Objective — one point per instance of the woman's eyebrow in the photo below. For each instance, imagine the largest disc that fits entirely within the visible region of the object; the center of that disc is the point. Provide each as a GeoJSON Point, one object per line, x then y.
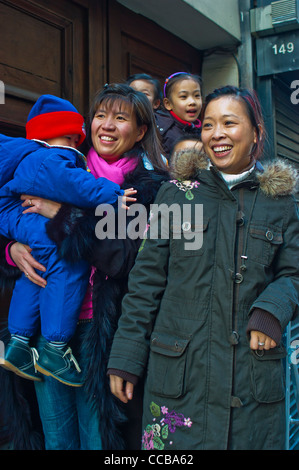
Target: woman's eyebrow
{"type": "Point", "coordinates": [125, 113]}
{"type": "Point", "coordinates": [223, 116]}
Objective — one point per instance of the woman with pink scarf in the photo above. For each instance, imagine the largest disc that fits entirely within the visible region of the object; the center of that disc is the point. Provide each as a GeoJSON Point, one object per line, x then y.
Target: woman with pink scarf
{"type": "Point", "coordinates": [124, 147]}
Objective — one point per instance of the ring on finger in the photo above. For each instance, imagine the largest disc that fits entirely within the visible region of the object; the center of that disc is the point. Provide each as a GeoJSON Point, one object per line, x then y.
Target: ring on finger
{"type": "Point", "coordinates": [261, 344]}
{"type": "Point", "coordinates": [27, 274]}
{"type": "Point", "coordinates": [30, 202]}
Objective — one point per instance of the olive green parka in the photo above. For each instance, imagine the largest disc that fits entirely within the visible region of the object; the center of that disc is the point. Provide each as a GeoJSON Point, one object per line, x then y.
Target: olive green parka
{"type": "Point", "coordinates": [185, 316]}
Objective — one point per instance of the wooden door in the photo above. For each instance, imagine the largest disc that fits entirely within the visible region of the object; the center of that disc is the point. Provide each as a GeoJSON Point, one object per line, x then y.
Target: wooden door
{"type": "Point", "coordinates": [137, 45]}
{"type": "Point", "coordinates": [46, 47]}
{"type": "Point", "coordinates": [72, 47]}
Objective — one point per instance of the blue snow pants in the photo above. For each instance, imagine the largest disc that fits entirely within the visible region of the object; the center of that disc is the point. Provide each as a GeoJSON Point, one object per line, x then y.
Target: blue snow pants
{"type": "Point", "coordinates": [56, 308]}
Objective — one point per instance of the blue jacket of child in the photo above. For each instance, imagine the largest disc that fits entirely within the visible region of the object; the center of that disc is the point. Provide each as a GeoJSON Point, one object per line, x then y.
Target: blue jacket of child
{"type": "Point", "coordinates": [55, 173]}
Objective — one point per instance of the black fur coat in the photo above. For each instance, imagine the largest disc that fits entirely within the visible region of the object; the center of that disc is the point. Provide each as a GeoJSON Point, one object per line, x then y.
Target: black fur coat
{"type": "Point", "coordinates": [74, 232]}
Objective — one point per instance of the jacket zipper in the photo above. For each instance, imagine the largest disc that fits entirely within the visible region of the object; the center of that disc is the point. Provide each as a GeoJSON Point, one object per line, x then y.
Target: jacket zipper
{"type": "Point", "coordinates": [238, 277]}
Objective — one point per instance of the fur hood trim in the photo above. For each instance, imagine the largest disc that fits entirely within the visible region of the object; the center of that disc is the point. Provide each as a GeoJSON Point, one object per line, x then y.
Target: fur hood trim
{"type": "Point", "coordinates": [279, 178]}
{"type": "Point", "coordinates": [186, 164]}
{"type": "Point", "coordinates": [276, 178]}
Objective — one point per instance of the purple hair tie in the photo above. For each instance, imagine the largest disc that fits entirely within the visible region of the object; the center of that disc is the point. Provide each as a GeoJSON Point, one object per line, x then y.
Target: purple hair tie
{"type": "Point", "coordinates": [167, 80]}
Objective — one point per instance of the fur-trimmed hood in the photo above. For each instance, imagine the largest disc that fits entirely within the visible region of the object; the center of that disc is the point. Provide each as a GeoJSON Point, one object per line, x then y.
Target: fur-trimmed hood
{"type": "Point", "coordinates": [276, 178]}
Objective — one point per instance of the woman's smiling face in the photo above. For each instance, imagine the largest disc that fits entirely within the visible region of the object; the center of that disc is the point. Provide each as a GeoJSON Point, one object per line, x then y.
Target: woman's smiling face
{"type": "Point", "coordinates": [228, 135]}
{"type": "Point", "coordinates": [114, 130]}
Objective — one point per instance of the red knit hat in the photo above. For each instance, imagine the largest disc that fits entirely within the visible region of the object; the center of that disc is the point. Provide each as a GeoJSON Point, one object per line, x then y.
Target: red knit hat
{"type": "Point", "coordinates": [52, 117]}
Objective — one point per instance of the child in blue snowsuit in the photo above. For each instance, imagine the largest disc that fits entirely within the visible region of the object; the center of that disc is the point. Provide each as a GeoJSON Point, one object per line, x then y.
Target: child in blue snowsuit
{"type": "Point", "coordinates": [56, 172]}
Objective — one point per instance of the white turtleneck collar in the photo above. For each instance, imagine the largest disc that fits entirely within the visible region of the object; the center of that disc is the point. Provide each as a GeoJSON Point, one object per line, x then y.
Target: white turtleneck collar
{"type": "Point", "coordinates": [231, 180]}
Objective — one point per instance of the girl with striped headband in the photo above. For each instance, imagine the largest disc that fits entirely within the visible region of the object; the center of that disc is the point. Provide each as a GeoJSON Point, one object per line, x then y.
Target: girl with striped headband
{"type": "Point", "coordinates": [182, 106]}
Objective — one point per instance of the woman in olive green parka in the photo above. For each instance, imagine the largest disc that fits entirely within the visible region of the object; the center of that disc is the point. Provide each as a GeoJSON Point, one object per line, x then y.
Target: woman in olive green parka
{"type": "Point", "coordinates": [208, 301]}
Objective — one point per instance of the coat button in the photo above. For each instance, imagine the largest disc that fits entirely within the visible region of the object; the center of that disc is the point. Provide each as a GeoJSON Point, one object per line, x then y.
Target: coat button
{"type": "Point", "coordinates": [234, 338]}
{"type": "Point", "coordinates": [240, 218]}
{"type": "Point", "coordinates": [238, 278]}
{"type": "Point", "coordinates": [186, 226]}
{"type": "Point", "coordinates": [269, 235]}
{"type": "Point", "coordinates": [235, 402]}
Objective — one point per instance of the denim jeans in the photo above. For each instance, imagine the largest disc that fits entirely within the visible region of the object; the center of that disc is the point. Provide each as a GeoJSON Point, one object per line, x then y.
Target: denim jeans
{"type": "Point", "coordinates": [68, 421]}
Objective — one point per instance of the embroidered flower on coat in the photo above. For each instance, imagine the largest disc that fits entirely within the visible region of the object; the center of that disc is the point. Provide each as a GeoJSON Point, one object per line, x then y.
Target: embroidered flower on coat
{"type": "Point", "coordinates": [186, 186]}
{"type": "Point", "coordinates": [187, 422]}
{"type": "Point", "coordinates": [155, 435]}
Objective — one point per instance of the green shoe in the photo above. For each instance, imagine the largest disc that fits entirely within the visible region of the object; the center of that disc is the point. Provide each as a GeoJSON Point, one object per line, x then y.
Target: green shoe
{"type": "Point", "coordinates": [20, 358]}
{"type": "Point", "coordinates": [60, 364]}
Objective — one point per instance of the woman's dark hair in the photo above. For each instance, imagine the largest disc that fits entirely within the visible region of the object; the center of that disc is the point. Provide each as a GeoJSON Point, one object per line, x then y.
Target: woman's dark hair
{"type": "Point", "coordinates": [154, 81]}
{"type": "Point", "coordinates": [123, 93]}
{"type": "Point", "coordinates": [176, 77]}
{"type": "Point", "coordinates": [254, 111]}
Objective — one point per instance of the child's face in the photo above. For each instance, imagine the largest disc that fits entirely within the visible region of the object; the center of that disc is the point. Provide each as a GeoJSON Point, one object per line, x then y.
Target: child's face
{"type": "Point", "coordinates": [71, 140]}
{"type": "Point", "coordinates": [185, 100]}
{"type": "Point", "coordinates": [148, 89]}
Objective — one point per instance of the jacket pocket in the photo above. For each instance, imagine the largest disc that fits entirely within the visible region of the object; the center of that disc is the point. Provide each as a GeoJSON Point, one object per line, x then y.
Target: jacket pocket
{"type": "Point", "coordinates": [267, 375]}
{"type": "Point", "coordinates": [264, 242]}
{"type": "Point", "coordinates": [167, 364]}
{"type": "Point", "coordinates": [188, 238]}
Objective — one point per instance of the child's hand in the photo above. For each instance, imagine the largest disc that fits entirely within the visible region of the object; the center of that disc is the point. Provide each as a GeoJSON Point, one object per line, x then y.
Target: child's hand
{"type": "Point", "coordinates": [126, 197]}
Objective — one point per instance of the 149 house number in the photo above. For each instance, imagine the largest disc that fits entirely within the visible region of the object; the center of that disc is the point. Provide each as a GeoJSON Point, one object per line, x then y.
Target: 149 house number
{"type": "Point", "coordinates": [283, 48]}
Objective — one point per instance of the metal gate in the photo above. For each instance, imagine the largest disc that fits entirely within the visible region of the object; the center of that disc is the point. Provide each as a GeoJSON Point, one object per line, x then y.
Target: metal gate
{"type": "Point", "coordinates": [286, 123]}
{"type": "Point", "coordinates": [287, 147]}
{"type": "Point", "coordinates": [292, 387]}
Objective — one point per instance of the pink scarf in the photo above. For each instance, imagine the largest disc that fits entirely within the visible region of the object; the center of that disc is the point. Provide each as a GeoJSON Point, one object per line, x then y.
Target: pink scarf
{"type": "Point", "coordinates": [115, 171]}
